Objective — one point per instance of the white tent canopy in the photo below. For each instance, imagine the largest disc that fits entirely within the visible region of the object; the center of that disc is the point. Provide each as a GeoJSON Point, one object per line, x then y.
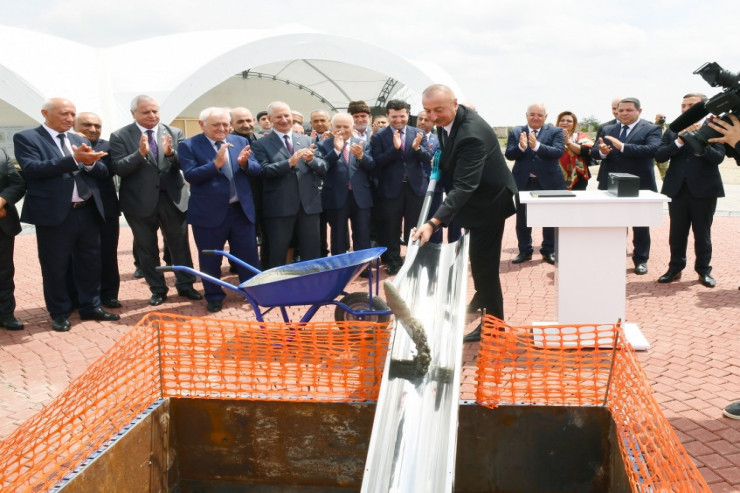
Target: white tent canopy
{"type": "Point", "coordinates": [181, 68]}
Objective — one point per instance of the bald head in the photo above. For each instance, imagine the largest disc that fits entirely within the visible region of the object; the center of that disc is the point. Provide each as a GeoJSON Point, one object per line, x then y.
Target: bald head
{"type": "Point", "coordinates": [89, 125]}
{"type": "Point", "coordinates": [242, 121]}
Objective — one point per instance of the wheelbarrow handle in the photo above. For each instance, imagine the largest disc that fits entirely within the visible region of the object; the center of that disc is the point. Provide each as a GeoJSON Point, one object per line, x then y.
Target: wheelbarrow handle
{"type": "Point", "coordinates": [164, 268]}
{"type": "Point", "coordinates": [233, 259]}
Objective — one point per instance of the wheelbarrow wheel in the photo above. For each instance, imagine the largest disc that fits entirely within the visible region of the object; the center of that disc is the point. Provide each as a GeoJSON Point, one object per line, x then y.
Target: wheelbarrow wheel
{"type": "Point", "coordinates": [357, 302]}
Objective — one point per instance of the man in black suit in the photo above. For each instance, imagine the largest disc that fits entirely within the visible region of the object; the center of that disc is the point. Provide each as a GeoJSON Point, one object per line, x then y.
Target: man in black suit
{"type": "Point", "coordinates": [90, 126]}
{"type": "Point", "coordinates": [535, 149]}
{"type": "Point", "coordinates": [346, 193]}
{"type": "Point", "coordinates": [12, 189]}
{"type": "Point", "coordinates": [402, 162]}
{"type": "Point", "coordinates": [693, 183]}
{"type": "Point", "coordinates": [292, 169]}
{"type": "Point", "coordinates": [64, 203]}
{"type": "Point", "coordinates": [482, 193]}
{"type": "Point", "coordinates": [629, 147]}
{"type": "Point", "coordinates": [153, 195]}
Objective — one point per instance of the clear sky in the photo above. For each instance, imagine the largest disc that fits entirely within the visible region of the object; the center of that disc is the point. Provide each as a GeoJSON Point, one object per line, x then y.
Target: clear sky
{"type": "Point", "coordinates": [568, 54]}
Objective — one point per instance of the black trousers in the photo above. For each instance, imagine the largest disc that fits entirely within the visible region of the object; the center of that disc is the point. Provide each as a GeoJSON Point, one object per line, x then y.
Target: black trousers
{"type": "Point", "coordinates": [339, 219]}
{"type": "Point", "coordinates": [75, 242]}
{"type": "Point", "coordinates": [697, 214]}
{"type": "Point", "coordinates": [485, 256]}
{"type": "Point", "coordinates": [280, 231]}
{"type": "Point", "coordinates": [171, 221]}
{"type": "Point", "coordinates": [391, 212]}
{"type": "Point", "coordinates": [7, 271]}
{"type": "Point", "coordinates": [524, 232]}
{"type": "Point", "coordinates": [110, 278]}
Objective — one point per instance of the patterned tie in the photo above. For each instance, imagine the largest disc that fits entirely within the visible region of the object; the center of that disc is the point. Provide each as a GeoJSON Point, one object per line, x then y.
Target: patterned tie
{"type": "Point", "coordinates": [288, 144]}
{"type": "Point", "coordinates": [228, 172]}
{"type": "Point", "coordinates": [403, 141]}
{"type": "Point", "coordinates": [623, 133]}
{"type": "Point", "coordinates": [345, 155]}
{"type": "Point", "coordinates": [83, 190]}
{"type": "Point", "coordinates": [153, 147]}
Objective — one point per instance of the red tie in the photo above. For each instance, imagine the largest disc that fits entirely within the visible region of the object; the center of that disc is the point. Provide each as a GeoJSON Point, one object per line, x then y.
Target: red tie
{"type": "Point", "coordinates": [345, 152]}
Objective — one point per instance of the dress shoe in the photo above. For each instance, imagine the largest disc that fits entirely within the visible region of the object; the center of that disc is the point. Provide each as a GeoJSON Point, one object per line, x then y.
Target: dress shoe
{"type": "Point", "coordinates": [522, 257]}
{"type": "Point", "coordinates": [61, 324]}
{"type": "Point", "coordinates": [392, 270]}
{"type": "Point", "coordinates": [190, 294]}
{"type": "Point", "coordinates": [670, 276]}
{"type": "Point", "coordinates": [101, 315]}
{"type": "Point", "coordinates": [549, 258]}
{"type": "Point", "coordinates": [641, 269]}
{"type": "Point", "coordinates": [474, 304]}
{"type": "Point", "coordinates": [138, 273]}
{"type": "Point", "coordinates": [112, 303]}
{"type": "Point", "coordinates": [473, 336]}
{"type": "Point", "coordinates": [157, 299]}
{"type": "Point", "coordinates": [11, 323]}
{"type": "Point", "coordinates": [707, 280]}
{"type": "Point", "coordinates": [214, 306]}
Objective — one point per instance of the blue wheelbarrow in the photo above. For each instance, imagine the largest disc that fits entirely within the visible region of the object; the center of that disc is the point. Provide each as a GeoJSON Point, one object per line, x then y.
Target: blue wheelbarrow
{"type": "Point", "coordinates": [315, 283]}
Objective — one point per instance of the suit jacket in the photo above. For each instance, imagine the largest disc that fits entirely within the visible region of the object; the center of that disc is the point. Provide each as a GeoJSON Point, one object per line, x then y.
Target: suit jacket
{"type": "Point", "coordinates": [142, 177]}
{"type": "Point", "coordinates": [391, 162]}
{"type": "Point", "coordinates": [700, 173]}
{"type": "Point", "coordinates": [286, 189]}
{"type": "Point", "coordinates": [544, 163]}
{"type": "Point", "coordinates": [12, 189]}
{"type": "Point", "coordinates": [482, 185]}
{"type": "Point", "coordinates": [637, 156]}
{"type": "Point", "coordinates": [49, 177]}
{"type": "Point", "coordinates": [106, 185]}
{"type": "Point", "coordinates": [209, 186]}
{"type": "Point", "coordinates": [340, 173]}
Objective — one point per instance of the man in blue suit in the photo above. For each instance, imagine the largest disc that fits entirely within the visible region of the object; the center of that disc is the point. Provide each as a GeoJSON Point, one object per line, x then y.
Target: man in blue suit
{"type": "Point", "coordinates": [402, 160]}
{"type": "Point", "coordinates": [629, 146]}
{"type": "Point", "coordinates": [64, 203]}
{"type": "Point", "coordinates": [221, 208]}
{"type": "Point", "coordinates": [346, 194]}
{"type": "Point", "coordinates": [535, 149]}
{"type": "Point", "coordinates": [291, 197]}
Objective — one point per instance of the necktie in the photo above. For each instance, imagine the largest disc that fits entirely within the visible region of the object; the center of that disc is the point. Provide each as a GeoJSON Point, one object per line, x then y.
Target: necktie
{"type": "Point", "coordinates": [535, 132]}
{"type": "Point", "coordinates": [623, 133]}
{"type": "Point", "coordinates": [228, 172]}
{"type": "Point", "coordinates": [443, 138]}
{"type": "Point", "coordinates": [403, 141]}
{"type": "Point", "coordinates": [288, 144]}
{"type": "Point", "coordinates": [83, 191]}
{"type": "Point", "coordinates": [153, 147]}
{"type": "Point", "coordinates": [345, 153]}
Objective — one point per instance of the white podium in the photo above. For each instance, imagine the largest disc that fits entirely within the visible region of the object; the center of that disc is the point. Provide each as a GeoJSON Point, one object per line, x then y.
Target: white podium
{"type": "Point", "coordinates": [590, 246]}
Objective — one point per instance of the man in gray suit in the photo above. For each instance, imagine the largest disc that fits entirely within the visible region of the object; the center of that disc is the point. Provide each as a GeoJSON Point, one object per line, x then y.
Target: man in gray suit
{"type": "Point", "coordinates": [292, 169]}
{"type": "Point", "coordinates": [12, 189]}
{"type": "Point", "coordinates": [153, 195]}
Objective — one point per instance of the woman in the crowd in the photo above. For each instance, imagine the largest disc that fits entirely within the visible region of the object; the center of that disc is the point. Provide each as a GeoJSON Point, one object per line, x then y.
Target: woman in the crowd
{"type": "Point", "coordinates": [577, 155]}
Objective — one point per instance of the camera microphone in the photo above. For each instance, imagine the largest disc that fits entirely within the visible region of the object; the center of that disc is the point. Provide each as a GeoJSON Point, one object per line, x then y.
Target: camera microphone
{"type": "Point", "coordinates": [689, 117]}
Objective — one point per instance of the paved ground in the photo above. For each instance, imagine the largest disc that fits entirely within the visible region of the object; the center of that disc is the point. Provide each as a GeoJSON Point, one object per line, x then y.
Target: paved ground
{"type": "Point", "coordinates": [692, 365]}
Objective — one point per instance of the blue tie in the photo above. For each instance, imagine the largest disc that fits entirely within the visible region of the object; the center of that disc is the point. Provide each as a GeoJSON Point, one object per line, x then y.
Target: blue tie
{"type": "Point", "coordinates": [228, 173]}
{"type": "Point", "coordinates": [623, 133]}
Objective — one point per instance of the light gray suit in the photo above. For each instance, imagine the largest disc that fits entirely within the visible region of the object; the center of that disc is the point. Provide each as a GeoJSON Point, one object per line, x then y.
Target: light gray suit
{"type": "Point", "coordinates": [153, 195]}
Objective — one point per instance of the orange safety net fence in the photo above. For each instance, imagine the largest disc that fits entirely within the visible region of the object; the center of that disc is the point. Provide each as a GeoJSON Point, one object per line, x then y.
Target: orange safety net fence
{"type": "Point", "coordinates": [174, 356]}
{"type": "Point", "coordinates": [587, 365]}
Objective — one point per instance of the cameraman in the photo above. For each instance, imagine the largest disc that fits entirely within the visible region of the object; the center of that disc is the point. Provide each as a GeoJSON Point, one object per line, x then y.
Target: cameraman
{"type": "Point", "coordinates": [730, 138]}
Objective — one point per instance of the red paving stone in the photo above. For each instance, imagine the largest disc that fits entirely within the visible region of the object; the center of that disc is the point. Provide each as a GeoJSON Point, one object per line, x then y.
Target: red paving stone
{"type": "Point", "coordinates": [692, 364]}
